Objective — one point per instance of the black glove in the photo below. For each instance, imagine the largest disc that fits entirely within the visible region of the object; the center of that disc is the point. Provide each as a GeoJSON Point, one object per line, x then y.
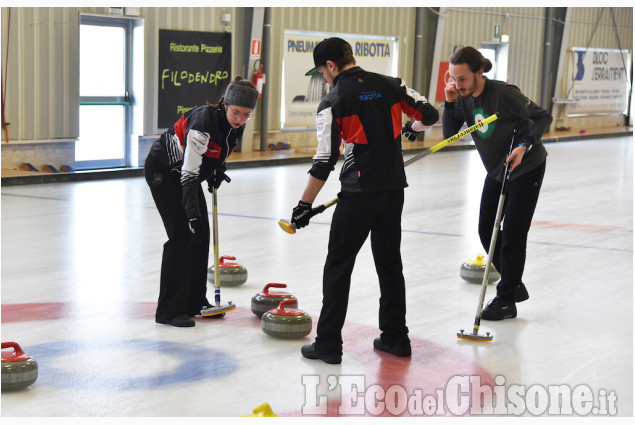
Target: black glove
{"type": "Point", "coordinates": [196, 227]}
{"type": "Point", "coordinates": [409, 133]}
{"type": "Point", "coordinates": [300, 216]}
{"type": "Point", "coordinates": [217, 178]}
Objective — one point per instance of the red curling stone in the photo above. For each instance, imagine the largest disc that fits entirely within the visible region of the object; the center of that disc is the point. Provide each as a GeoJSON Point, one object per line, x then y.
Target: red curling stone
{"type": "Point", "coordinates": [286, 322]}
{"type": "Point", "coordinates": [19, 370]}
{"type": "Point", "coordinates": [231, 274]}
{"type": "Point", "coordinates": [266, 300]}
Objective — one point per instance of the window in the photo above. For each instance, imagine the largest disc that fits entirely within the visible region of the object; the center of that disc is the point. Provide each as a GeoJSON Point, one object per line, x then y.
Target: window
{"type": "Point", "coordinates": [105, 62]}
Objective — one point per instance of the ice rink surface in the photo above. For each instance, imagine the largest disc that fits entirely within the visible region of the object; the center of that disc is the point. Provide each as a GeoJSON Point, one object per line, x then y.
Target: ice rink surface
{"type": "Point", "coordinates": [80, 273]}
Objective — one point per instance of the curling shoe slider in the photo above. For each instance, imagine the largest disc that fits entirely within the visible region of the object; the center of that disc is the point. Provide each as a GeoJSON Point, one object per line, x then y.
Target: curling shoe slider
{"type": "Point", "coordinates": [499, 309]}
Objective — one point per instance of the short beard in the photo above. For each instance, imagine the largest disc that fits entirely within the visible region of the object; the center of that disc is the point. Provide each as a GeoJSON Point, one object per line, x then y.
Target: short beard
{"type": "Point", "coordinates": [474, 87]}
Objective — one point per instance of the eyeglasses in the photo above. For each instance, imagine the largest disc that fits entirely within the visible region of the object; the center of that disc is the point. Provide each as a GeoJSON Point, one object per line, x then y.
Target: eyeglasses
{"type": "Point", "coordinates": [238, 114]}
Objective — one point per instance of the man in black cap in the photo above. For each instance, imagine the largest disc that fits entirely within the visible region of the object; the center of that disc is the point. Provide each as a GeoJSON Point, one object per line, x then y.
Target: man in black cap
{"type": "Point", "coordinates": [363, 111]}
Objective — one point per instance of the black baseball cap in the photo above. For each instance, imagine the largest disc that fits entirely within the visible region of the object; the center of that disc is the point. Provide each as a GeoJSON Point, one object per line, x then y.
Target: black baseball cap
{"type": "Point", "coordinates": [329, 49]}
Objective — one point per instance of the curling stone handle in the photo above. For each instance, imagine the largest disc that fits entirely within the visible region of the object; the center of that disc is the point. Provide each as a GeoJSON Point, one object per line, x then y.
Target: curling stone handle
{"type": "Point", "coordinates": [226, 257]}
{"type": "Point", "coordinates": [285, 303]}
{"type": "Point", "coordinates": [273, 285]}
{"type": "Point", "coordinates": [15, 346]}
{"type": "Point", "coordinates": [16, 356]}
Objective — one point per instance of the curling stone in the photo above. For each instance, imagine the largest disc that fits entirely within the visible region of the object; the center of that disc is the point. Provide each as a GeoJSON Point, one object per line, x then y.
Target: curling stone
{"type": "Point", "coordinates": [231, 274]}
{"type": "Point", "coordinates": [266, 300]}
{"type": "Point", "coordinates": [19, 370]}
{"type": "Point", "coordinates": [473, 271]}
{"type": "Point", "coordinates": [286, 322]}
{"type": "Point", "coordinates": [262, 410]}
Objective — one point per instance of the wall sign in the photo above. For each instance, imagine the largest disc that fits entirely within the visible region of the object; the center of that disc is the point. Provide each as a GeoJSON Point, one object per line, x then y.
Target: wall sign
{"type": "Point", "coordinates": [600, 81]}
{"type": "Point", "coordinates": [194, 67]}
{"type": "Point", "coordinates": [302, 95]}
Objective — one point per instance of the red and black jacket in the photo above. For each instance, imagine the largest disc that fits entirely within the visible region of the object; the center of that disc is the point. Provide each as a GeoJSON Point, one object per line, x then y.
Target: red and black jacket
{"type": "Point", "coordinates": [199, 142]}
{"type": "Point", "coordinates": [364, 112]}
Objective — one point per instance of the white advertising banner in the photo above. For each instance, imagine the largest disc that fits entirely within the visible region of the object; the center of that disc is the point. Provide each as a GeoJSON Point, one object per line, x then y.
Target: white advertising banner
{"type": "Point", "coordinates": [301, 95]}
{"type": "Point", "coordinates": [600, 81]}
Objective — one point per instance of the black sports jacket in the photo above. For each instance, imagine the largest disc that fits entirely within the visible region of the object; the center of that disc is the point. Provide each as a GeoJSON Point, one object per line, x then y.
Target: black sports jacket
{"type": "Point", "coordinates": [199, 142]}
{"type": "Point", "coordinates": [364, 112]}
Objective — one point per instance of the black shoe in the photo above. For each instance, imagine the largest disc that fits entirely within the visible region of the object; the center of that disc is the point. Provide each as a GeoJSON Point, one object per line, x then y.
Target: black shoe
{"type": "Point", "coordinates": [401, 350]}
{"type": "Point", "coordinates": [521, 293]}
{"type": "Point", "coordinates": [308, 351]}
{"type": "Point", "coordinates": [180, 321]}
{"type": "Point", "coordinates": [499, 309]}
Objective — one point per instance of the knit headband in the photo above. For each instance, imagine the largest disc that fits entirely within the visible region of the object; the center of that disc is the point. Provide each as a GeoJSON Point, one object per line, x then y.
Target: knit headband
{"type": "Point", "coordinates": [239, 95]}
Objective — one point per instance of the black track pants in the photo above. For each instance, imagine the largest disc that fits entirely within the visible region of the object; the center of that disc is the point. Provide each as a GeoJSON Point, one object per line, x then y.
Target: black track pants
{"type": "Point", "coordinates": [184, 264]}
{"type": "Point", "coordinates": [356, 215]}
{"type": "Point", "coordinates": [518, 211]}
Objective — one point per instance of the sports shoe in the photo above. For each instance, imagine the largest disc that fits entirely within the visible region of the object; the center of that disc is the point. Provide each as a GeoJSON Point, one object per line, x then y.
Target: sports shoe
{"type": "Point", "coordinates": [400, 350]}
{"type": "Point", "coordinates": [521, 293]}
{"type": "Point", "coordinates": [499, 309]}
{"type": "Point", "coordinates": [308, 351]}
{"type": "Point", "coordinates": [180, 321]}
